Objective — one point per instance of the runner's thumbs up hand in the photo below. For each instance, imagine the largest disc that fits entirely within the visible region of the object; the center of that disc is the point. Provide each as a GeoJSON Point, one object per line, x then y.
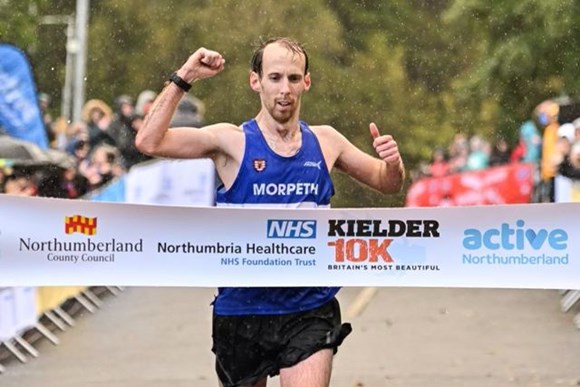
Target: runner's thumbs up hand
{"type": "Point", "coordinates": [203, 63]}
{"type": "Point", "coordinates": [385, 146]}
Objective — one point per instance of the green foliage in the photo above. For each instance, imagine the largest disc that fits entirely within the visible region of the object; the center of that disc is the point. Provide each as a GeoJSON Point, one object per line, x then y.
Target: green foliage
{"type": "Point", "coordinates": [18, 21]}
{"type": "Point", "coordinates": [525, 51]}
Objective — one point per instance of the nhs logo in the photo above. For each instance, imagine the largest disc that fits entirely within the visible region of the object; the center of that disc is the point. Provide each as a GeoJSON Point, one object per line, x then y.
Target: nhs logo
{"type": "Point", "coordinates": [289, 228]}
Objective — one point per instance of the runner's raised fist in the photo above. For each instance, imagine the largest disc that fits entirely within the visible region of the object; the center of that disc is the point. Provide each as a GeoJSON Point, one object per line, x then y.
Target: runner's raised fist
{"type": "Point", "coordinates": [203, 63]}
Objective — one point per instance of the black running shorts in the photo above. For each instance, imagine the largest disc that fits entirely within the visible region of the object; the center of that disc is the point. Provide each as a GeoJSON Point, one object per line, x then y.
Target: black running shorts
{"type": "Point", "coordinates": [249, 348]}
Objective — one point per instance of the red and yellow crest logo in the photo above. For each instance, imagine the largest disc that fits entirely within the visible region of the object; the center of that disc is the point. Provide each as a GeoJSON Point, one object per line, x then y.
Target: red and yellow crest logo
{"type": "Point", "coordinates": [259, 165]}
{"type": "Point", "coordinates": [80, 224]}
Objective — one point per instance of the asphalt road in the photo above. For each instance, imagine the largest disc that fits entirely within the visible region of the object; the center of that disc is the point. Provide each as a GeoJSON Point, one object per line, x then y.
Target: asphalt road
{"type": "Point", "coordinates": [412, 337]}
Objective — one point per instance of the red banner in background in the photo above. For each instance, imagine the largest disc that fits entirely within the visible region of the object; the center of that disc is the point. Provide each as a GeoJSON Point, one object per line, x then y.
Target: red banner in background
{"type": "Point", "coordinates": [508, 184]}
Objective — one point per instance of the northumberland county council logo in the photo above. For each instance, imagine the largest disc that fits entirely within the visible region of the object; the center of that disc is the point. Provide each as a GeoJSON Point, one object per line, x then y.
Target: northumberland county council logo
{"type": "Point", "coordinates": [80, 224]}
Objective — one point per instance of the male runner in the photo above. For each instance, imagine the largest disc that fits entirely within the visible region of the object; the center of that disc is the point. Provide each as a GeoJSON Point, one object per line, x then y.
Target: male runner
{"type": "Point", "coordinates": [261, 332]}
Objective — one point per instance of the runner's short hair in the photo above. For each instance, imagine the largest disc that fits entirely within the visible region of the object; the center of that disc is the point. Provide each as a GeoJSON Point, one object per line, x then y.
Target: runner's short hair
{"type": "Point", "coordinates": [289, 43]}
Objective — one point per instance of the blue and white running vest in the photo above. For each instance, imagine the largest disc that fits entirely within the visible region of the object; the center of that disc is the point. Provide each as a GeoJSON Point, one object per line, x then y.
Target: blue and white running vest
{"type": "Point", "coordinates": [266, 179]}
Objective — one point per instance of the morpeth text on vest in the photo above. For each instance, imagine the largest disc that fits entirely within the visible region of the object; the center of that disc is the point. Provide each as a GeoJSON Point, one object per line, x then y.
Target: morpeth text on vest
{"type": "Point", "coordinates": [285, 189]}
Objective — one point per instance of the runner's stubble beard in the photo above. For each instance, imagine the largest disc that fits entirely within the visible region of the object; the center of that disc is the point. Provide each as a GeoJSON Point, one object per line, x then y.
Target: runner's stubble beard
{"type": "Point", "coordinates": [284, 116]}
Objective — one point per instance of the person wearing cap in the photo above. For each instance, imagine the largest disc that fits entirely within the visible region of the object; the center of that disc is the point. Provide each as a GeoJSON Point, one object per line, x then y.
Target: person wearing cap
{"type": "Point", "coordinates": [567, 160]}
{"type": "Point", "coordinates": [563, 144]}
{"type": "Point", "coordinates": [144, 101]}
{"type": "Point", "coordinates": [565, 173]}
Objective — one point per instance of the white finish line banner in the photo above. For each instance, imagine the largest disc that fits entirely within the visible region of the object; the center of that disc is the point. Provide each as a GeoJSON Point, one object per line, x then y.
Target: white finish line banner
{"type": "Point", "coordinates": [46, 242]}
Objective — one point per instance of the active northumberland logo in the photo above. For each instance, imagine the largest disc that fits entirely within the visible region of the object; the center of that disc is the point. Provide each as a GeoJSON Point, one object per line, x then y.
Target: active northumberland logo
{"type": "Point", "coordinates": [80, 224]}
{"type": "Point", "coordinates": [515, 244]}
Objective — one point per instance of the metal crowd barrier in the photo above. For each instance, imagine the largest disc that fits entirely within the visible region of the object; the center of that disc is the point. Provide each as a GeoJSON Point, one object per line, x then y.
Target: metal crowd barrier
{"type": "Point", "coordinates": [21, 314]}
{"type": "Point", "coordinates": [569, 299]}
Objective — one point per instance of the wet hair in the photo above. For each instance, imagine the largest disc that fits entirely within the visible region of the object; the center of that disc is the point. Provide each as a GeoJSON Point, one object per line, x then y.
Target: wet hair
{"type": "Point", "coordinates": [290, 44]}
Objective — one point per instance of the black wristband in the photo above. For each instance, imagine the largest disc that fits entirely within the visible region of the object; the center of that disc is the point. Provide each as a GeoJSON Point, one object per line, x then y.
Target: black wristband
{"type": "Point", "coordinates": [180, 82]}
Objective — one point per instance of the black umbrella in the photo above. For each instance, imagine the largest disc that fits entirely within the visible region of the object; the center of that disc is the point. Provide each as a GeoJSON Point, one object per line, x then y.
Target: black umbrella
{"type": "Point", "coordinates": [20, 153]}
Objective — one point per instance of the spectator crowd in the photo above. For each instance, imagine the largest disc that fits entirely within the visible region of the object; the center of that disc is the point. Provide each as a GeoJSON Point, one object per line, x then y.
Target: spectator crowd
{"type": "Point", "coordinates": [101, 147]}
{"type": "Point", "coordinates": [552, 146]}
{"type": "Point", "coordinates": [93, 151]}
